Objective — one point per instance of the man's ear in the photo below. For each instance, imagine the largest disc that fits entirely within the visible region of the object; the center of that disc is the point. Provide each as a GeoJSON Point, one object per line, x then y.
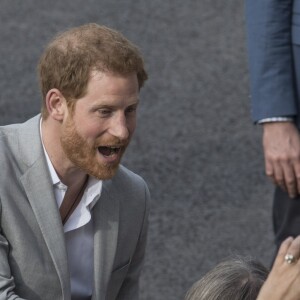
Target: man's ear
{"type": "Point", "coordinates": [56, 104]}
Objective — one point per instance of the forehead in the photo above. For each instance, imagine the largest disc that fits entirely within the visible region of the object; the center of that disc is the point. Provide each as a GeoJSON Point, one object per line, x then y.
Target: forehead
{"type": "Point", "coordinates": [107, 89]}
{"type": "Point", "coordinates": [106, 82]}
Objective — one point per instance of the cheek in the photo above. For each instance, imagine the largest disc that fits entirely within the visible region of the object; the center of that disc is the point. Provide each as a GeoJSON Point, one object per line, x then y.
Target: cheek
{"type": "Point", "coordinates": [90, 129]}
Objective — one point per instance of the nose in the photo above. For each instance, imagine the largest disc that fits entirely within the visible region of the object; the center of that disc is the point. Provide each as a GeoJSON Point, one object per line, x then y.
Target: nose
{"type": "Point", "coordinates": [119, 127]}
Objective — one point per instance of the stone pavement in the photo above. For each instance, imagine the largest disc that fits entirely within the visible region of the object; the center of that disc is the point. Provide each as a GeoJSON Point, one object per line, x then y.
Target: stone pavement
{"type": "Point", "coordinates": [195, 144]}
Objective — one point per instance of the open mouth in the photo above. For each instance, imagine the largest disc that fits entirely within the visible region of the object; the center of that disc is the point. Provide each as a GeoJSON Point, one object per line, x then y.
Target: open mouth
{"type": "Point", "coordinates": [109, 151]}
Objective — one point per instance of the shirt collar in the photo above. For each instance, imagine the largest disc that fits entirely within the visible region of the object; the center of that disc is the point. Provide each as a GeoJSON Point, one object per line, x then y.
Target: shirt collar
{"type": "Point", "coordinates": [54, 177]}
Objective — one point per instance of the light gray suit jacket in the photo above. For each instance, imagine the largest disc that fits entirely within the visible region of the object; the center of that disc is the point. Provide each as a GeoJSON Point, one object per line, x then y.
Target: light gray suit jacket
{"type": "Point", "coordinates": [33, 257]}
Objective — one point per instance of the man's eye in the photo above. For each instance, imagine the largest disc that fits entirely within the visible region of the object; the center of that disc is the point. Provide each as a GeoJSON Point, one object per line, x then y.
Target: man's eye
{"type": "Point", "coordinates": [130, 110]}
{"type": "Point", "coordinates": [104, 112]}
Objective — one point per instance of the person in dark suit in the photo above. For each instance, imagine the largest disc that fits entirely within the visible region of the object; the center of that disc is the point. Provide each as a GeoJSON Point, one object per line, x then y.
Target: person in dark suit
{"type": "Point", "coordinates": [90, 78]}
{"type": "Point", "coordinates": [273, 34]}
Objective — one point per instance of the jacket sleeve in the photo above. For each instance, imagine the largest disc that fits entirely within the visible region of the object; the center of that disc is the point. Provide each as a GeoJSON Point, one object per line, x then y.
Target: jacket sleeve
{"type": "Point", "coordinates": [7, 284]}
{"type": "Point", "coordinates": [269, 41]}
{"type": "Point", "coordinates": [130, 287]}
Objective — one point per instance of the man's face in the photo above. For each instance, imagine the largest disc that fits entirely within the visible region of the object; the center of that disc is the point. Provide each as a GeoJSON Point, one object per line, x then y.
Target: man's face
{"type": "Point", "coordinates": [96, 134]}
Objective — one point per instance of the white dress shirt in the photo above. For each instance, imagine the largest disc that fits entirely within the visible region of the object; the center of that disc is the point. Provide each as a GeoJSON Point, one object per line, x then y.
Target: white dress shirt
{"type": "Point", "coordinates": [78, 234]}
{"type": "Point", "coordinates": [276, 119]}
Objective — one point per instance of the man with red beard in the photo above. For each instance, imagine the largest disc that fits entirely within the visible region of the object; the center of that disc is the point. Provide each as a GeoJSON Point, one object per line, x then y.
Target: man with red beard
{"type": "Point", "coordinates": [73, 221]}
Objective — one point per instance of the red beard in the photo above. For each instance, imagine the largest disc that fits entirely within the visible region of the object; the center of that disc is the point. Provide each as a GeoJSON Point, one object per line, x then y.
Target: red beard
{"type": "Point", "coordinates": [85, 156]}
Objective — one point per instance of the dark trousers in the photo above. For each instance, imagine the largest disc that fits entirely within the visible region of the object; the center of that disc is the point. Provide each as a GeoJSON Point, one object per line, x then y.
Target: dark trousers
{"type": "Point", "coordinates": [286, 216]}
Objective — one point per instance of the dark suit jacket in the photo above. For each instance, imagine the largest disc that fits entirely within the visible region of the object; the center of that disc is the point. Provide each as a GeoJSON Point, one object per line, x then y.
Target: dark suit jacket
{"type": "Point", "coordinates": [33, 258]}
{"type": "Point", "coordinates": [273, 26]}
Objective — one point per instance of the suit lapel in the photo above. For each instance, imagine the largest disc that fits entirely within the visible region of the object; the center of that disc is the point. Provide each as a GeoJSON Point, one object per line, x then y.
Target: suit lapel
{"type": "Point", "coordinates": [38, 187]}
{"type": "Point", "coordinates": [106, 224]}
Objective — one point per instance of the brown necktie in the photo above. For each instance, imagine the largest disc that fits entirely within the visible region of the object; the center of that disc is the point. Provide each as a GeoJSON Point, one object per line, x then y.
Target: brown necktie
{"type": "Point", "coordinates": [71, 200]}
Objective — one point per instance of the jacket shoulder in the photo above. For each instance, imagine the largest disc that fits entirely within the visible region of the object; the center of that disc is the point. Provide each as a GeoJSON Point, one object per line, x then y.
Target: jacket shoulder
{"type": "Point", "coordinates": [19, 141]}
{"type": "Point", "coordinates": [131, 186]}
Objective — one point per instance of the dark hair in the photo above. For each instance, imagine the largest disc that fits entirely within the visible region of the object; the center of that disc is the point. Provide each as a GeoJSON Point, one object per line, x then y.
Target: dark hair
{"type": "Point", "coordinates": [235, 279]}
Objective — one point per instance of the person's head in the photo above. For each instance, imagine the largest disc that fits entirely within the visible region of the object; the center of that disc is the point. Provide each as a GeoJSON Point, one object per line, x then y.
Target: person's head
{"type": "Point", "coordinates": [69, 59]}
{"type": "Point", "coordinates": [90, 79]}
{"type": "Point", "coordinates": [235, 279]}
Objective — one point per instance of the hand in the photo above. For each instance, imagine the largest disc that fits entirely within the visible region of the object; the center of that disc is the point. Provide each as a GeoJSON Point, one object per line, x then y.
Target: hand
{"type": "Point", "coordinates": [281, 143]}
{"type": "Point", "coordinates": [283, 282]}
